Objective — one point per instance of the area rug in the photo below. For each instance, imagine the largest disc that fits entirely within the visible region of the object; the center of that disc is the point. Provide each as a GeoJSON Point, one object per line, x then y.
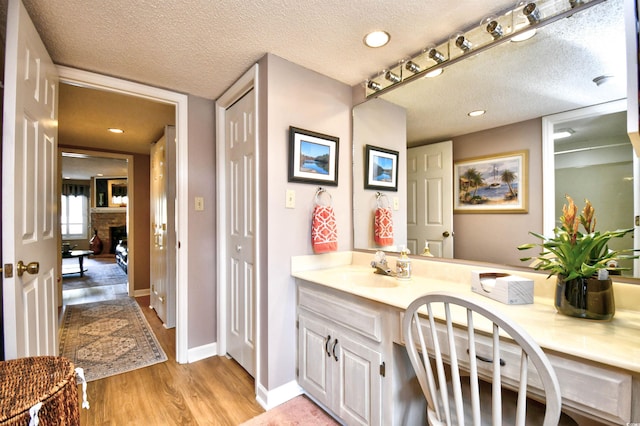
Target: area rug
{"type": "Point", "coordinates": [99, 272]}
{"type": "Point", "coordinates": [108, 338]}
{"type": "Point", "coordinates": [297, 411]}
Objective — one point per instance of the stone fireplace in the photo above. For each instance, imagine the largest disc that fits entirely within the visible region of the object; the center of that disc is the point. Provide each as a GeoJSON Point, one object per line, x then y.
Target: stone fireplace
{"type": "Point", "coordinates": [111, 227]}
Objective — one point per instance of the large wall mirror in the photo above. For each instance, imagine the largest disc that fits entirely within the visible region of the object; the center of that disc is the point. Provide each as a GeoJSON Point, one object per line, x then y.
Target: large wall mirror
{"type": "Point", "coordinates": [570, 64]}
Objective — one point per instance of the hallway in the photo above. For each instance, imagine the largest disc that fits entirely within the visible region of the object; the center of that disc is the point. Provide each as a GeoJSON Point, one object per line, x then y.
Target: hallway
{"type": "Point", "coordinates": [213, 391]}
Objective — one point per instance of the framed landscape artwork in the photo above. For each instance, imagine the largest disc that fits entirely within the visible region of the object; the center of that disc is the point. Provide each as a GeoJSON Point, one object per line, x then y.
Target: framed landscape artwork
{"type": "Point", "coordinates": [491, 184]}
{"type": "Point", "coordinates": [381, 168]}
{"type": "Point", "coordinates": [313, 157]}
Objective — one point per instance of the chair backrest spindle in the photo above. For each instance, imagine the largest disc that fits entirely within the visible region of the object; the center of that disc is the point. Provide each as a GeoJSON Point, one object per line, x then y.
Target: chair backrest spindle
{"type": "Point", "coordinates": [440, 316]}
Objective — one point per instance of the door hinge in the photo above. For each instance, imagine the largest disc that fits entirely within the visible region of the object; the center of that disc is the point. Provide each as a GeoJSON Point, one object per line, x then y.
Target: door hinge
{"type": "Point", "coordinates": [383, 369]}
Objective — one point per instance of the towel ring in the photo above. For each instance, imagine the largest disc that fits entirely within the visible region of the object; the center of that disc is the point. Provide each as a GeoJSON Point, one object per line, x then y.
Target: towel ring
{"type": "Point", "coordinates": [379, 197]}
{"type": "Point", "coordinates": [319, 193]}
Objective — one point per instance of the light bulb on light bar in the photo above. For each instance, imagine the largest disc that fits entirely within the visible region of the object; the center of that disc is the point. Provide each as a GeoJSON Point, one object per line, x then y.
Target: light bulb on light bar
{"type": "Point", "coordinates": [114, 130]}
{"type": "Point", "coordinates": [476, 113]}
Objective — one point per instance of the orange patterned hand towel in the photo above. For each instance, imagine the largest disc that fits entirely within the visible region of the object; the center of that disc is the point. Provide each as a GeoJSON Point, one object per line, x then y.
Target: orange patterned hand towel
{"type": "Point", "coordinates": [383, 226]}
{"type": "Point", "coordinates": [324, 234]}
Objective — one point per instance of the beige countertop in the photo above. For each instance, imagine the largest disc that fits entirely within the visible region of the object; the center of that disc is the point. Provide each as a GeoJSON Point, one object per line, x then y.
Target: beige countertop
{"type": "Point", "coordinates": [615, 343]}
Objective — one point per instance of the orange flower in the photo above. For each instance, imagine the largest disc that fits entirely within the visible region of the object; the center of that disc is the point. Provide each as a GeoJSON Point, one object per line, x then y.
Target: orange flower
{"type": "Point", "coordinates": [587, 217]}
{"type": "Point", "coordinates": [569, 221]}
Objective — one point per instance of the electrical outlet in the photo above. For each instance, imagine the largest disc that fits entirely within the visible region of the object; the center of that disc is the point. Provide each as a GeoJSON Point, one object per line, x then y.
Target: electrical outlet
{"type": "Point", "coordinates": [199, 204]}
{"type": "Point", "coordinates": [290, 202]}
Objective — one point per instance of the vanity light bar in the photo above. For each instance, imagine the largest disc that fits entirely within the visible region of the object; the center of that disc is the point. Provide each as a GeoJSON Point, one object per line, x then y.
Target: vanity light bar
{"type": "Point", "coordinates": [492, 31]}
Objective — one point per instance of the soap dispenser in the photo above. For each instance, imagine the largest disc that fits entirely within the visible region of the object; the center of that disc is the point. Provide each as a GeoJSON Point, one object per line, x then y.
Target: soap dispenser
{"type": "Point", "coordinates": [403, 265]}
{"type": "Point", "coordinates": [426, 252]}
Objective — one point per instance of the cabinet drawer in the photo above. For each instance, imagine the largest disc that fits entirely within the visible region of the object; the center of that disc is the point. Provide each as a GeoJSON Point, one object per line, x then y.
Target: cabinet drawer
{"type": "Point", "coordinates": [352, 316]}
{"type": "Point", "coordinates": [603, 392]}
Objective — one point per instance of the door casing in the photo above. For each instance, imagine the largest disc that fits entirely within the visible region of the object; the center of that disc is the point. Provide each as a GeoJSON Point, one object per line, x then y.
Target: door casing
{"type": "Point", "coordinates": [180, 101]}
{"type": "Point", "coordinates": [236, 91]}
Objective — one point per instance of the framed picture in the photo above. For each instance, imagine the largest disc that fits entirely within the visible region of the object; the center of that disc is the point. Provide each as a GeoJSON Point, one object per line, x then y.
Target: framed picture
{"type": "Point", "coordinates": [492, 184]}
{"type": "Point", "coordinates": [313, 157]}
{"type": "Point", "coordinates": [381, 168]}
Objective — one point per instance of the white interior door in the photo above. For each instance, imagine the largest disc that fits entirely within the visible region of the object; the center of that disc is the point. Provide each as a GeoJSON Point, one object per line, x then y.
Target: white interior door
{"type": "Point", "coordinates": [240, 211]}
{"type": "Point", "coordinates": [29, 200]}
{"type": "Point", "coordinates": [163, 243]}
{"type": "Point", "coordinates": [430, 198]}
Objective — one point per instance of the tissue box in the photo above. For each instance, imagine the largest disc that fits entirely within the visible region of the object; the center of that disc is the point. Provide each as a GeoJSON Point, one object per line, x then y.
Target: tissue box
{"type": "Point", "coordinates": [505, 288]}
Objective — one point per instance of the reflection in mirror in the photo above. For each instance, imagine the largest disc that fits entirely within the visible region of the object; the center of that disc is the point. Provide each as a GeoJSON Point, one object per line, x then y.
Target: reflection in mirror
{"type": "Point", "coordinates": [517, 84]}
{"type": "Point", "coordinates": [590, 146]}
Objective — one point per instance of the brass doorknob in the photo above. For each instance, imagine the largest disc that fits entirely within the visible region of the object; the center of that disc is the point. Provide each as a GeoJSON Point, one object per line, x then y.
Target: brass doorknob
{"type": "Point", "coordinates": [31, 268]}
{"type": "Point", "coordinates": [446, 234]}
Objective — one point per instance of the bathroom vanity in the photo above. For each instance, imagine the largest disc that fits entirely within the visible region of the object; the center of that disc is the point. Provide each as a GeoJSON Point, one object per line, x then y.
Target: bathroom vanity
{"type": "Point", "coordinates": [351, 356]}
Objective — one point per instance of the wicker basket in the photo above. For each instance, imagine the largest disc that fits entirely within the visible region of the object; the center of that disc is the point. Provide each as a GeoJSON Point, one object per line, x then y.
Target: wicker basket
{"type": "Point", "coordinates": [48, 379]}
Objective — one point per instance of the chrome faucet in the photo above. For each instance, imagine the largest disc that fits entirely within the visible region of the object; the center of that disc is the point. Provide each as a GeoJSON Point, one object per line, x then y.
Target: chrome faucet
{"type": "Point", "coordinates": [380, 264]}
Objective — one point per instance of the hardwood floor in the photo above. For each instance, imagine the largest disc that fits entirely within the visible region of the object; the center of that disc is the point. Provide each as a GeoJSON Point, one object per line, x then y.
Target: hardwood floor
{"type": "Point", "coordinates": [213, 391]}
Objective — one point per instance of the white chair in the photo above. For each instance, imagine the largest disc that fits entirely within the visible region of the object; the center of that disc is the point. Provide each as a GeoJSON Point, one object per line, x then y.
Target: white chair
{"type": "Point", "coordinates": [453, 393]}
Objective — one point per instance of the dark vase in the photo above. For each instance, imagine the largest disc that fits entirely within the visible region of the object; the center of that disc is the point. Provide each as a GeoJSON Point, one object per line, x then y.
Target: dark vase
{"type": "Point", "coordinates": [589, 298]}
{"type": "Point", "coordinates": [95, 243]}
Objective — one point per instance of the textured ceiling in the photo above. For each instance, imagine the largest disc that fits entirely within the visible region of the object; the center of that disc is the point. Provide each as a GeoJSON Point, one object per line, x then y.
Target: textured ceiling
{"type": "Point", "coordinates": [549, 73]}
{"type": "Point", "coordinates": [201, 47]}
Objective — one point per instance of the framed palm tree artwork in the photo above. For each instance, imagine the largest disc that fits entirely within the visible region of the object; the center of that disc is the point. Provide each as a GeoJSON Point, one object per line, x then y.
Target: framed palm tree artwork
{"type": "Point", "coordinates": [492, 184]}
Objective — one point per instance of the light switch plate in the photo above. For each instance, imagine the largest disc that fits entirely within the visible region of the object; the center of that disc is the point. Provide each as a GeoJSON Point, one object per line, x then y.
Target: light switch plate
{"type": "Point", "coordinates": [199, 201]}
{"type": "Point", "coordinates": [290, 203]}
{"type": "Point", "coordinates": [396, 203]}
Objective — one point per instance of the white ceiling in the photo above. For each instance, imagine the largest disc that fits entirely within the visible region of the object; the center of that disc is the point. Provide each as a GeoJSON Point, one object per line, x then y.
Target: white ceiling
{"type": "Point", "coordinates": [202, 47]}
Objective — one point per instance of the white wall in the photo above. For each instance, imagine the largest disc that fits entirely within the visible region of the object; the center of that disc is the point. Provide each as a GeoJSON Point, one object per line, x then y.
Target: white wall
{"type": "Point", "coordinates": [295, 96]}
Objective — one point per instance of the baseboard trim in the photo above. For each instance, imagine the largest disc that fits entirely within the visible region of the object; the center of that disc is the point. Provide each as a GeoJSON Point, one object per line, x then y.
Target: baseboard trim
{"type": "Point", "coordinates": [202, 352]}
{"type": "Point", "coordinates": [141, 293]}
{"type": "Point", "coordinates": [272, 398]}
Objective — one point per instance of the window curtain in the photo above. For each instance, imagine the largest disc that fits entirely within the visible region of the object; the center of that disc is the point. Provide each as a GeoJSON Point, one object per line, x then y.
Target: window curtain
{"type": "Point", "coordinates": [75, 189]}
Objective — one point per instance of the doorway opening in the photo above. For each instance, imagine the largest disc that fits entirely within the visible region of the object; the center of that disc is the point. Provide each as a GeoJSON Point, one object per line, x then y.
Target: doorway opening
{"type": "Point", "coordinates": [136, 92]}
{"type": "Point", "coordinates": [95, 198]}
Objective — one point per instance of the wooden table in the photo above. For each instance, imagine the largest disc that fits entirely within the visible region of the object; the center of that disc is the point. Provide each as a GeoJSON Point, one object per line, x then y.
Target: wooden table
{"type": "Point", "coordinates": [80, 254]}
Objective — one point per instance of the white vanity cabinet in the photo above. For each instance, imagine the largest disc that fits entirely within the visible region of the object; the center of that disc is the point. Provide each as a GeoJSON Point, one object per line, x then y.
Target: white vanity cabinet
{"type": "Point", "coordinates": [341, 360]}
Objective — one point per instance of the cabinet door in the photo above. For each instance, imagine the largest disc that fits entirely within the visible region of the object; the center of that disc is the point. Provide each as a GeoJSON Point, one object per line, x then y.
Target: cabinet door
{"type": "Point", "coordinates": [314, 361]}
{"type": "Point", "coordinates": [358, 383]}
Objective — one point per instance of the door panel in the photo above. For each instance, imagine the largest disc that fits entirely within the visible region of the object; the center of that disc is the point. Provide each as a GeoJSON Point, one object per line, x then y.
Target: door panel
{"type": "Point", "coordinates": [29, 198]}
{"type": "Point", "coordinates": [240, 148]}
{"type": "Point", "coordinates": [430, 198]}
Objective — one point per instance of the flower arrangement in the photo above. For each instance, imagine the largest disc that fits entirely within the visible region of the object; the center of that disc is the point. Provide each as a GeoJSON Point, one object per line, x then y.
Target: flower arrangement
{"type": "Point", "coordinates": [574, 254]}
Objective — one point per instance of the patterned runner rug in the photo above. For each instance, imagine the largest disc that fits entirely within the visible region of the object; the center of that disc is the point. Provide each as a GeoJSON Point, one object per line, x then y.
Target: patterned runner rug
{"type": "Point", "coordinates": [108, 338]}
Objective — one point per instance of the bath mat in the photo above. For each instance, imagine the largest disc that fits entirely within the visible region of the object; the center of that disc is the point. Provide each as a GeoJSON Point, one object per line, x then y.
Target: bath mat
{"type": "Point", "coordinates": [298, 411]}
{"type": "Point", "coordinates": [108, 338]}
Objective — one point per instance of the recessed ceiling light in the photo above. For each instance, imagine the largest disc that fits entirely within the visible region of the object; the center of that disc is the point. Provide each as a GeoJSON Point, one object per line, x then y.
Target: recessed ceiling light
{"type": "Point", "coordinates": [114, 130]}
{"type": "Point", "coordinates": [99, 174]}
{"type": "Point", "coordinates": [377, 38]}
{"type": "Point", "coordinates": [434, 73]}
{"type": "Point", "coordinates": [476, 113]}
{"type": "Point", "coordinates": [67, 177]}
